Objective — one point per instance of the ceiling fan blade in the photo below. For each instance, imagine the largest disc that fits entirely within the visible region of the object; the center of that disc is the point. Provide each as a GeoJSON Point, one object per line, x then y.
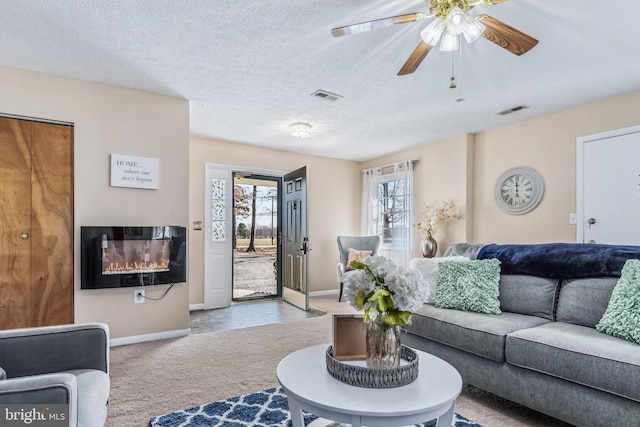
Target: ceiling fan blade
{"type": "Point", "coordinates": [378, 23]}
{"type": "Point", "coordinates": [506, 37]}
{"type": "Point", "coordinates": [415, 59]}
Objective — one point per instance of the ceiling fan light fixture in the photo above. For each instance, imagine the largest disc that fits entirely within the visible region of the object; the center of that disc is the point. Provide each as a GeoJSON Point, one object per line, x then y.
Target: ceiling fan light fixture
{"type": "Point", "coordinates": [473, 29]}
{"type": "Point", "coordinates": [432, 33]}
{"type": "Point", "coordinates": [456, 21]}
{"type": "Point", "coordinates": [449, 42]}
{"type": "Point", "coordinates": [300, 129]}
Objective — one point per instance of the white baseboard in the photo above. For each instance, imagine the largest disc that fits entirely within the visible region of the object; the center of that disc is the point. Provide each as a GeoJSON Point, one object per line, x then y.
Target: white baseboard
{"type": "Point", "coordinates": [196, 307]}
{"type": "Point", "coordinates": [149, 337]}
{"type": "Point", "coordinates": [324, 293]}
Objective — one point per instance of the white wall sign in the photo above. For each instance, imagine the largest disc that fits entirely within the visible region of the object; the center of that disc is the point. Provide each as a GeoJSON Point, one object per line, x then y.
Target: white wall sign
{"type": "Point", "coordinates": [134, 172]}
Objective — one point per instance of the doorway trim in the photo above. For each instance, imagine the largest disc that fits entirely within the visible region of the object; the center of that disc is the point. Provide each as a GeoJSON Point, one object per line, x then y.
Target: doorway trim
{"type": "Point", "coordinates": [36, 119]}
{"type": "Point", "coordinates": [580, 145]}
{"type": "Point", "coordinates": [218, 282]}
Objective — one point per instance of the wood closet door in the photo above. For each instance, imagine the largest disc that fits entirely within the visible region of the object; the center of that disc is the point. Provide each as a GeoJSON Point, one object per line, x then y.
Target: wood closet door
{"type": "Point", "coordinates": [36, 224]}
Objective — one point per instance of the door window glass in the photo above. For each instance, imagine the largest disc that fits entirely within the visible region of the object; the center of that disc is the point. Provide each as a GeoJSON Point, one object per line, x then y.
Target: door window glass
{"type": "Point", "coordinates": [218, 208]}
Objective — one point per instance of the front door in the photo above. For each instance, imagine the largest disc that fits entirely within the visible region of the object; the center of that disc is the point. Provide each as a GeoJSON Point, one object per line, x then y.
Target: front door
{"type": "Point", "coordinates": [295, 239]}
{"type": "Point", "coordinates": [256, 221]}
{"type": "Point", "coordinates": [609, 187]}
{"type": "Point", "coordinates": [36, 224]}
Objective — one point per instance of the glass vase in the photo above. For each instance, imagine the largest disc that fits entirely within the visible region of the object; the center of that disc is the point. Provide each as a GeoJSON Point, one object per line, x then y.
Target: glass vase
{"type": "Point", "coordinates": [383, 345]}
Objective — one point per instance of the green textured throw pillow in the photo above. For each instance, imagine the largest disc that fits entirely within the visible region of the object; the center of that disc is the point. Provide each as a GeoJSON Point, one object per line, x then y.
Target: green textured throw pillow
{"type": "Point", "coordinates": [469, 286]}
{"type": "Point", "coordinates": [622, 317]}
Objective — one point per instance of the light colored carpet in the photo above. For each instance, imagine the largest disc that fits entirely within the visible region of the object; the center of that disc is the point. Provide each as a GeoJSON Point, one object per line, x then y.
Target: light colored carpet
{"type": "Point", "coordinates": [157, 377]}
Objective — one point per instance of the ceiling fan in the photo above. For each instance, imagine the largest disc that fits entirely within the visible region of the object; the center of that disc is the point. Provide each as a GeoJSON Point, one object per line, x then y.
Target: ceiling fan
{"type": "Point", "coordinates": [452, 20]}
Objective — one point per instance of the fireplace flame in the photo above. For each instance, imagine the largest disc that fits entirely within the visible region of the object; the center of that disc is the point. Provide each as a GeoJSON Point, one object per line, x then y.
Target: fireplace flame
{"type": "Point", "coordinates": [135, 267]}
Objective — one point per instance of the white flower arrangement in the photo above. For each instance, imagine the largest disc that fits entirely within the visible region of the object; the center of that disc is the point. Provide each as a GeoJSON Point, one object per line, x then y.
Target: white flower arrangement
{"type": "Point", "coordinates": [434, 216]}
{"type": "Point", "coordinates": [386, 292]}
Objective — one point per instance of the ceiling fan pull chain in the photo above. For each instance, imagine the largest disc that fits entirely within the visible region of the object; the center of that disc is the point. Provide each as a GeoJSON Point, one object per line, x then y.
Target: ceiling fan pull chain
{"type": "Point", "coordinates": [453, 74]}
{"type": "Point", "coordinates": [458, 91]}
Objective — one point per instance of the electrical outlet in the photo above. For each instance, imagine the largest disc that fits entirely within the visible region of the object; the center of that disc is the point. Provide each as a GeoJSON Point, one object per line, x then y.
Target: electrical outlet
{"type": "Point", "coordinates": [138, 296]}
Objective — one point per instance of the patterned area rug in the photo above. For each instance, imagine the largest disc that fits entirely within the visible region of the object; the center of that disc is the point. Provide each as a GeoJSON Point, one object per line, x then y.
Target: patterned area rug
{"type": "Point", "coordinates": [267, 408]}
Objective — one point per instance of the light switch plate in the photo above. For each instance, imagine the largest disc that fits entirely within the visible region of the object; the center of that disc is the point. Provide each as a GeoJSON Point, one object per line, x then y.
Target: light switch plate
{"type": "Point", "coordinates": [573, 218]}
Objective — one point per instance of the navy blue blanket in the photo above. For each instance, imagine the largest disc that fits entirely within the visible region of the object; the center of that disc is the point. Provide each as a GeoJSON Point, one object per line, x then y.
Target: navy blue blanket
{"type": "Point", "coordinates": [561, 260]}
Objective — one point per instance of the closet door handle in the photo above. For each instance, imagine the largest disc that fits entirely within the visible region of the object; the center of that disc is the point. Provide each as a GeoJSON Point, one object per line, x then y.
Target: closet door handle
{"type": "Point", "coordinates": [24, 235]}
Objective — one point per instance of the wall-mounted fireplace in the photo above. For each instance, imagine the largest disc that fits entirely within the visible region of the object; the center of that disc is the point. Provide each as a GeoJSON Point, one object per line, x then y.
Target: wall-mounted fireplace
{"type": "Point", "coordinates": [114, 257]}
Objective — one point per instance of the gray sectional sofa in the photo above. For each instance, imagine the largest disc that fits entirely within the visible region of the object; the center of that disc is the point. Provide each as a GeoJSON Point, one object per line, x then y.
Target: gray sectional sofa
{"type": "Point", "coordinates": [543, 351]}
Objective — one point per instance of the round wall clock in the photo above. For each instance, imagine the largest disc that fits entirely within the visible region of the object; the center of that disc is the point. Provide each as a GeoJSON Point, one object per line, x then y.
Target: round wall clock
{"type": "Point", "coordinates": [519, 190]}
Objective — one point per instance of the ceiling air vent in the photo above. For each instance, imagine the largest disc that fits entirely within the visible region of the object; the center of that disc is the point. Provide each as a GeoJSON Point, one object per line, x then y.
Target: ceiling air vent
{"type": "Point", "coordinates": [512, 110]}
{"type": "Point", "coordinates": [323, 94]}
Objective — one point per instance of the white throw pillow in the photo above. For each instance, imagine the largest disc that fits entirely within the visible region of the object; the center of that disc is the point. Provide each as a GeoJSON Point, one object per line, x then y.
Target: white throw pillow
{"type": "Point", "coordinates": [429, 269]}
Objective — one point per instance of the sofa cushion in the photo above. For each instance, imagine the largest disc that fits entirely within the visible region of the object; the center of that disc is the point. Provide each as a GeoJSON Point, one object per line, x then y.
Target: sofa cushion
{"type": "Point", "coordinates": [93, 396]}
{"type": "Point", "coordinates": [578, 354]}
{"type": "Point", "coordinates": [429, 269]}
{"type": "Point", "coordinates": [3, 374]}
{"type": "Point", "coordinates": [469, 286]}
{"type": "Point", "coordinates": [478, 333]}
{"type": "Point", "coordinates": [622, 317]}
{"type": "Point", "coordinates": [531, 295]}
{"type": "Point", "coordinates": [583, 301]}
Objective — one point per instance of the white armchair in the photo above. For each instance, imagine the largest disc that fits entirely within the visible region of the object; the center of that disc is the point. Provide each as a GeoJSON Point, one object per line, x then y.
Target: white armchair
{"type": "Point", "coordinates": [359, 243]}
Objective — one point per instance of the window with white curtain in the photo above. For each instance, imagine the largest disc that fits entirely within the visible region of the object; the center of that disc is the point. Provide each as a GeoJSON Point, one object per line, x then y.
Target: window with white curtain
{"type": "Point", "coordinates": [387, 209]}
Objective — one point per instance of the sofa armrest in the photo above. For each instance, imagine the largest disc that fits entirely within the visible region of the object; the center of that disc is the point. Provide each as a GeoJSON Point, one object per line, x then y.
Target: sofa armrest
{"type": "Point", "coordinates": [35, 351]}
{"type": "Point", "coordinates": [50, 389]}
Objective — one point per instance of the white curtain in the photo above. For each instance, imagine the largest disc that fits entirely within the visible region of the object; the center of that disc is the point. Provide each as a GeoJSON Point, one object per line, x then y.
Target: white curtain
{"type": "Point", "coordinates": [387, 209]}
{"type": "Point", "coordinates": [369, 211]}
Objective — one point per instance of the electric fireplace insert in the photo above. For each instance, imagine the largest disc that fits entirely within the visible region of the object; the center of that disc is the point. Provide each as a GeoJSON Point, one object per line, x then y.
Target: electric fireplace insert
{"type": "Point", "coordinates": [116, 257]}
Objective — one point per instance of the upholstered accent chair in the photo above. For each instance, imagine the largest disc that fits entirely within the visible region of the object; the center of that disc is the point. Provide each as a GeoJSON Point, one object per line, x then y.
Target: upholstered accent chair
{"type": "Point", "coordinates": [358, 243]}
{"type": "Point", "coordinates": [67, 364]}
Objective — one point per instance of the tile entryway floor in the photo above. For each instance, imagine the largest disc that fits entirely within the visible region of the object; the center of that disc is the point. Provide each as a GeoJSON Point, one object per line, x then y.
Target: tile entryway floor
{"type": "Point", "coordinates": [248, 314]}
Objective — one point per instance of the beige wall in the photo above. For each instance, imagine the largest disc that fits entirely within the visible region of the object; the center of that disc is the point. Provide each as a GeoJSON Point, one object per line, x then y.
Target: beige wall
{"type": "Point", "coordinates": [333, 192]}
{"type": "Point", "coordinates": [115, 120]}
{"type": "Point", "coordinates": [466, 168]}
{"type": "Point", "coordinates": [547, 144]}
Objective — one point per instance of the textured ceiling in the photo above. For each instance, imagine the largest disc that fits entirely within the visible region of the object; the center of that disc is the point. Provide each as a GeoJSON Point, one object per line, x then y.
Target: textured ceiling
{"type": "Point", "coordinates": [249, 67]}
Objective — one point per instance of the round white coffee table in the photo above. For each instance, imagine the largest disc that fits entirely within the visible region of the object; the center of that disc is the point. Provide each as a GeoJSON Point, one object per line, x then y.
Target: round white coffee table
{"type": "Point", "coordinates": [304, 377]}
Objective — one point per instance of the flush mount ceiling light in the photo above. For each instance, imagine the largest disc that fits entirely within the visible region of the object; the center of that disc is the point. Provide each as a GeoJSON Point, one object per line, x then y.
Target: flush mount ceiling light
{"type": "Point", "coordinates": [300, 129]}
{"type": "Point", "coordinates": [452, 21]}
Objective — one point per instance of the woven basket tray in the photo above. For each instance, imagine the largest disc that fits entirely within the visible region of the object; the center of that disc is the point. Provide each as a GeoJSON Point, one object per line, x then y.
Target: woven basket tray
{"type": "Point", "coordinates": [361, 376]}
